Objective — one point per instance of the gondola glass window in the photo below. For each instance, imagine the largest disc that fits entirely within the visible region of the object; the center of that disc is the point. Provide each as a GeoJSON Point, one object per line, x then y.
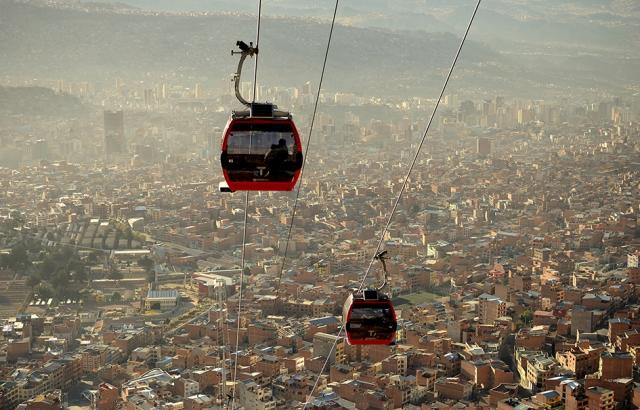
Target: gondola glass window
{"type": "Point", "coordinates": [260, 153]}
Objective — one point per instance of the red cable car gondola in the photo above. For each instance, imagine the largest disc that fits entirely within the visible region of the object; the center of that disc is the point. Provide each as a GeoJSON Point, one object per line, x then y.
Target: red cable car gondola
{"type": "Point", "coordinates": [369, 319]}
{"type": "Point", "coordinates": [261, 148]}
{"type": "Point", "coordinates": [368, 316]}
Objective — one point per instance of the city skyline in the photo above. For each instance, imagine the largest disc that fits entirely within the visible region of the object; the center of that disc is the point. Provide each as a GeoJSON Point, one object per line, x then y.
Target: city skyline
{"type": "Point", "coordinates": [502, 238]}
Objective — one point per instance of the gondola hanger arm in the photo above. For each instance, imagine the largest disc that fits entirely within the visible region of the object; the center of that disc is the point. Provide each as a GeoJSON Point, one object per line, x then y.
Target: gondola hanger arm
{"type": "Point", "coordinates": [245, 50]}
{"type": "Point", "coordinates": [382, 257]}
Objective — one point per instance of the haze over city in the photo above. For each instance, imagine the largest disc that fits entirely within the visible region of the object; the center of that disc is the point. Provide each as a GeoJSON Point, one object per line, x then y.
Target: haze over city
{"type": "Point", "coordinates": [414, 206]}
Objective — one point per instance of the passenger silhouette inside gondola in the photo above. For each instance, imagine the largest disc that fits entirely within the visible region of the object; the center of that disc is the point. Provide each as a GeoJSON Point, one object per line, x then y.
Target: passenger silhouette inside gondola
{"type": "Point", "coordinates": [276, 160]}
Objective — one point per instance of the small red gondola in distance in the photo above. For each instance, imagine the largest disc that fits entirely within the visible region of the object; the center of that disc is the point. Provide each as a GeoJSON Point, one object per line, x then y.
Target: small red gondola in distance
{"type": "Point", "coordinates": [369, 319]}
{"type": "Point", "coordinates": [261, 150]}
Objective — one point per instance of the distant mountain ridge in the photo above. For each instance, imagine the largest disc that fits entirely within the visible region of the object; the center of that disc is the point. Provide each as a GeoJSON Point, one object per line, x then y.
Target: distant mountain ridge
{"type": "Point", "coordinates": [587, 23]}
{"type": "Point", "coordinates": [38, 101]}
{"type": "Point", "coordinates": [99, 42]}
{"type": "Point", "coordinates": [90, 44]}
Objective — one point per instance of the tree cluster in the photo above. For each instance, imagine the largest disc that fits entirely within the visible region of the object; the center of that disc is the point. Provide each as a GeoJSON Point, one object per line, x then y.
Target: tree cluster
{"type": "Point", "coordinates": [147, 264]}
{"type": "Point", "coordinates": [17, 260]}
{"type": "Point", "coordinates": [62, 268]}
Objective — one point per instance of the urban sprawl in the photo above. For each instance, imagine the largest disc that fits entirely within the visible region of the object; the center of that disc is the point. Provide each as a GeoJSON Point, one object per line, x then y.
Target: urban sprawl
{"type": "Point", "coordinates": [513, 255]}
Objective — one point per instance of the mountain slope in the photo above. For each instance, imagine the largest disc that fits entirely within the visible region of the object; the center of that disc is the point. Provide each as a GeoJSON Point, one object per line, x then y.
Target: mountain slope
{"type": "Point", "coordinates": [38, 101]}
{"type": "Point", "coordinates": [605, 24]}
{"type": "Point", "coordinates": [98, 42]}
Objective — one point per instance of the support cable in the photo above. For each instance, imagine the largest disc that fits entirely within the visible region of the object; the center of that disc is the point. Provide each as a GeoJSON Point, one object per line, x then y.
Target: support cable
{"type": "Point", "coordinates": [255, 67]}
{"type": "Point", "coordinates": [244, 230]}
{"type": "Point", "coordinates": [244, 242]}
{"type": "Point", "coordinates": [402, 189]}
{"type": "Point", "coordinates": [306, 151]}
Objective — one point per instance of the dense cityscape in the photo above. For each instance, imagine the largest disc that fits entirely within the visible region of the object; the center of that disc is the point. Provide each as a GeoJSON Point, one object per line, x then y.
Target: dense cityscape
{"type": "Point", "coordinates": [513, 255]}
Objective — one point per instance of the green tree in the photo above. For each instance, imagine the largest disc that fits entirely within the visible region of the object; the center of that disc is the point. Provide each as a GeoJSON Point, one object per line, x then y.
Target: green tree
{"type": "Point", "coordinates": [80, 275]}
{"type": "Point", "coordinates": [48, 267]}
{"type": "Point", "coordinates": [116, 297]}
{"type": "Point", "coordinates": [526, 317]}
{"type": "Point", "coordinates": [148, 265]}
{"type": "Point", "coordinates": [17, 259]}
{"type": "Point", "coordinates": [151, 276]}
{"type": "Point", "coordinates": [65, 253]}
{"type": "Point", "coordinates": [92, 257]}
{"type": "Point", "coordinates": [33, 280]}
{"type": "Point", "coordinates": [77, 270]}
{"type": "Point", "coordinates": [63, 264]}
{"type": "Point", "coordinates": [44, 291]}
{"type": "Point", "coordinates": [115, 274]}
{"type": "Point", "coordinates": [16, 220]}
{"type": "Point", "coordinates": [60, 282]}
{"type": "Point", "coordinates": [128, 235]}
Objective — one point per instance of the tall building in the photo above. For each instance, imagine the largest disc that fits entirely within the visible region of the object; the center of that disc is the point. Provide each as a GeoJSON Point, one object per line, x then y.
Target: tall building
{"type": "Point", "coordinates": [323, 346]}
{"type": "Point", "coordinates": [616, 365]}
{"type": "Point", "coordinates": [163, 91]}
{"type": "Point", "coordinates": [600, 398]}
{"type": "Point", "coordinates": [491, 308]}
{"type": "Point", "coordinates": [114, 140]}
{"type": "Point", "coordinates": [213, 144]}
{"type": "Point", "coordinates": [306, 88]}
{"type": "Point", "coordinates": [483, 146]}
{"type": "Point", "coordinates": [253, 396]}
{"type": "Point", "coordinates": [149, 97]}
{"type": "Point", "coordinates": [582, 320]}
{"type": "Point", "coordinates": [107, 397]}
{"type": "Point", "coordinates": [246, 89]}
{"type": "Point", "coordinates": [633, 259]}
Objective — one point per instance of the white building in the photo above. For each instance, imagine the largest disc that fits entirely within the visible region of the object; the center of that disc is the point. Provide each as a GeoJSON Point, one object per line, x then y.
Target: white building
{"type": "Point", "coordinates": [191, 387]}
{"type": "Point", "coordinates": [632, 259]}
{"type": "Point", "coordinates": [161, 299]}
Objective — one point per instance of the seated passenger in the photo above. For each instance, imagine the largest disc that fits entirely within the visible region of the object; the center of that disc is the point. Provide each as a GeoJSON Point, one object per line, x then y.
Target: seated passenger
{"type": "Point", "coordinates": [276, 161]}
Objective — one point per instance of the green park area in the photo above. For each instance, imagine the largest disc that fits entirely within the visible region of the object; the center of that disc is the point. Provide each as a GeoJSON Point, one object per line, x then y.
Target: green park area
{"type": "Point", "coordinates": [415, 298]}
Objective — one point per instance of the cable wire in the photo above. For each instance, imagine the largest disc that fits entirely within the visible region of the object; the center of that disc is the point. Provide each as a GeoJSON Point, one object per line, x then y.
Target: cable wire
{"type": "Point", "coordinates": [244, 242]}
{"type": "Point", "coordinates": [255, 67]}
{"type": "Point", "coordinates": [244, 230]}
{"type": "Point", "coordinates": [306, 151]}
{"type": "Point", "coordinates": [404, 185]}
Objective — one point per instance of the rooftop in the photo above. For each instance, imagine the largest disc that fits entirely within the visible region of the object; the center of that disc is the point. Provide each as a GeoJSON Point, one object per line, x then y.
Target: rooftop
{"type": "Point", "coordinates": [162, 294]}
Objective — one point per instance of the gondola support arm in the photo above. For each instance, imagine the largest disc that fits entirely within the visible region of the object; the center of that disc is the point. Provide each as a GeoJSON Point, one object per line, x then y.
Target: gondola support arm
{"type": "Point", "coordinates": [382, 257]}
{"type": "Point", "coordinates": [245, 50]}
